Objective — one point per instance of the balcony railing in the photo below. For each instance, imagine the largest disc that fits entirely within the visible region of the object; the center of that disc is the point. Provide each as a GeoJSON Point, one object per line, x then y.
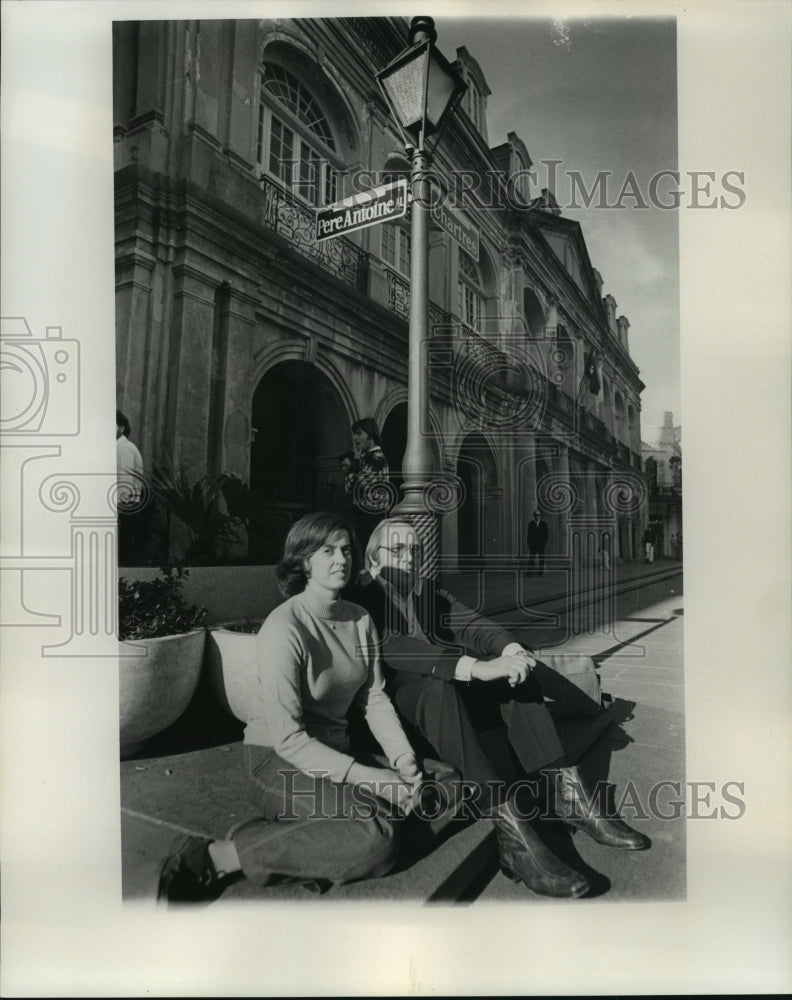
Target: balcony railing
{"type": "Point", "coordinates": [399, 302]}
{"type": "Point", "coordinates": [398, 294]}
{"type": "Point", "coordinates": [295, 222]}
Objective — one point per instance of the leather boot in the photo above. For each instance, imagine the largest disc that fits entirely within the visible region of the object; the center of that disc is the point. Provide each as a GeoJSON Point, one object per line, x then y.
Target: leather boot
{"type": "Point", "coordinates": [582, 811]}
{"type": "Point", "coordinates": [524, 858]}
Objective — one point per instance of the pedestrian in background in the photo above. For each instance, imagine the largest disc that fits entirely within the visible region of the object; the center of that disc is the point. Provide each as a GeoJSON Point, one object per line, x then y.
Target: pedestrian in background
{"type": "Point", "coordinates": [538, 533]}
{"type": "Point", "coordinates": [131, 493]}
{"type": "Point", "coordinates": [649, 543]}
{"type": "Point", "coordinates": [367, 481]}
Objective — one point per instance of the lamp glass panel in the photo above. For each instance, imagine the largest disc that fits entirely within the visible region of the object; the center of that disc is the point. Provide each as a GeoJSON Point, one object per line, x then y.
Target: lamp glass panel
{"type": "Point", "coordinates": [404, 86]}
{"type": "Point", "coordinates": [442, 87]}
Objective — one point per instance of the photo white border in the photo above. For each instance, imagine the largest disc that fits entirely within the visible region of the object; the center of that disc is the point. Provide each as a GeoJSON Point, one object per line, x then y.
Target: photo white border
{"type": "Point", "coordinates": [64, 931]}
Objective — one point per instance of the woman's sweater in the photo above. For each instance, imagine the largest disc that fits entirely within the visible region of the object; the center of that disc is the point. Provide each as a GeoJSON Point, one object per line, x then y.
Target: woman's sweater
{"type": "Point", "coordinates": [315, 658]}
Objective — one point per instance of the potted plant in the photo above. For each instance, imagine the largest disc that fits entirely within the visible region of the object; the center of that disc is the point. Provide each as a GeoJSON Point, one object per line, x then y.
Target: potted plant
{"type": "Point", "coordinates": [231, 665]}
{"type": "Point", "coordinates": [161, 655]}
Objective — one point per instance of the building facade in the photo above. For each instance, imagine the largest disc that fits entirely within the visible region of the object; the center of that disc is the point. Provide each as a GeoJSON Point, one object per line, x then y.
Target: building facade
{"type": "Point", "coordinates": [662, 457]}
{"type": "Point", "coordinates": [246, 346]}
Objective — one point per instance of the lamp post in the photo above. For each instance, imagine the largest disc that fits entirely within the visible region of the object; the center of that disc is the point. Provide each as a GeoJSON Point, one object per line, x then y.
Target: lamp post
{"type": "Point", "coordinates": [421, 89]}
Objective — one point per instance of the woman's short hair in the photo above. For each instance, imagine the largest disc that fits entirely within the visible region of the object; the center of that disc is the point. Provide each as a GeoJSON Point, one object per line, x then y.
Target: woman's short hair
{"type": "Point", "coordinates": [369, 426]}
{"type": "Point", "coordinates": [379, 536]}
{"type": "Point", "coordinates": [305, 537]}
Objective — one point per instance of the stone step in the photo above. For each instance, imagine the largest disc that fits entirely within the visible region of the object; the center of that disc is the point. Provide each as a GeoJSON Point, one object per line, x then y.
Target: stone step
{"type": "Point", "coordinates": [203, 792]}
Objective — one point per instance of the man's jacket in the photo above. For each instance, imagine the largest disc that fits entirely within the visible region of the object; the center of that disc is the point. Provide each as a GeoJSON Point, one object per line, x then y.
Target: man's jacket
{"type": "Point", "coordinates": [446, 630]}
{"type": "Point", "coordinates": [537, 534]}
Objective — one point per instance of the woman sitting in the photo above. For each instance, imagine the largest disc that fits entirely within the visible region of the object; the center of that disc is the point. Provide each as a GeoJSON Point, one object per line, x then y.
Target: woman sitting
{"type": "Point", "coordinates": [328, 814]}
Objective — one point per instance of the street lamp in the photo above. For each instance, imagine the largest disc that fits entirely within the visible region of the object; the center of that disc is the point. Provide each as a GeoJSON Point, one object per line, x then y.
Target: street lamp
{"type": "Point", "coordinates": [421, 88]}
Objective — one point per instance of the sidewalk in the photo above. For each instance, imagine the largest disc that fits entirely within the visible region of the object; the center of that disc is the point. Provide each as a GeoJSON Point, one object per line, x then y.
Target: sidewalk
{"type": "Point", "coordinates": [189, 779]}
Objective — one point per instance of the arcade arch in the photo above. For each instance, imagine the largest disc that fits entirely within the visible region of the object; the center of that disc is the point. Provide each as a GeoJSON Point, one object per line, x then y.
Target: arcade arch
{"type": "Point", "coordinates": [300, 426]}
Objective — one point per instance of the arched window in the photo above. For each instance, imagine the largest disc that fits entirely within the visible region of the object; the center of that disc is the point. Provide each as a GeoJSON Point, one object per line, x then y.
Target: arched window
{"type": "Point", "coordinates": [295, 140]}
{"type": "Point", "coordinates": [470, 289]}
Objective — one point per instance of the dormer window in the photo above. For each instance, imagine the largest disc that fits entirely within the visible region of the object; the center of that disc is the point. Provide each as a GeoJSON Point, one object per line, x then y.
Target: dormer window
{"type": "Point", "coordinates": [295, 141]}
{"type": "Point", "coordinates": [474, 100]}
{"type": "Point", "coordinates": [473, 104]}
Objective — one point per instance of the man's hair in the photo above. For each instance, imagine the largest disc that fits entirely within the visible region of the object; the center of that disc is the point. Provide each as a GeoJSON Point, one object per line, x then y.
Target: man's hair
{"type": "Point", "coordinates": [379, 536]}
{"type": "Point", "coordinates": [369, 426]}
{"type": "Point", "coordinates": [123, 423]}
{"type": "Point", "coordinates": [305, 537]}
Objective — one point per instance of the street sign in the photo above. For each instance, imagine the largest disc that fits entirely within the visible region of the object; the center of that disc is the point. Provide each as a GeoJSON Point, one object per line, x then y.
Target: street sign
{"type": "Point", "coordinates": [380, 204]}
{"type": "Point", "coordinates": [458, 229]}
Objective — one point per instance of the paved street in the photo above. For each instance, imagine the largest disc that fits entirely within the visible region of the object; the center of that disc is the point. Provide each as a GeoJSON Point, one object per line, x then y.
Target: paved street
{"type": "Point", "coordinates": [645, 669]}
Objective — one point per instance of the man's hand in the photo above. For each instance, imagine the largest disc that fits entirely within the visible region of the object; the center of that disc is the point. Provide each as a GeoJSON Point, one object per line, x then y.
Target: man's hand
{"type": "Point", "coordinates": [513, 668]}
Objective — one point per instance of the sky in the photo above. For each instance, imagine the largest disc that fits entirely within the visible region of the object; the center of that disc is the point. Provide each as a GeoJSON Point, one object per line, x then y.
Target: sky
{"type": "Point", "coordinates": [599, 95]}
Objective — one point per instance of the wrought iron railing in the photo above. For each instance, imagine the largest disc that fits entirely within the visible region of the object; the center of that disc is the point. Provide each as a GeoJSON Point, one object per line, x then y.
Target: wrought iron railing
{"type": "Point", "coordinates": [399, 302]}
{"type": "Point", "coordinates": [398, 294]}
{"type": "Point", "coordinates": [295, 222]}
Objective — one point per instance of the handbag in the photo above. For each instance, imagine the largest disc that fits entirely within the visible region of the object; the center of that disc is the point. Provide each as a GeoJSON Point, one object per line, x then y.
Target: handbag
{"type": "Point", "coordinates": [570, 684]}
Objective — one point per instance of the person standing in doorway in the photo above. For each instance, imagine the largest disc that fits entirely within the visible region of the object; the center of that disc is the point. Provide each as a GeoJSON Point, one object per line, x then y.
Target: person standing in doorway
{"type": "Point", "coordinates": [367, 479]}
{"type": "Point", "coordinates": [538, 533]}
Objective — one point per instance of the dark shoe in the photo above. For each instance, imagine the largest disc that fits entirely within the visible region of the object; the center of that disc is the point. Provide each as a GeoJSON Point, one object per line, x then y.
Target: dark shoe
{"type": "Point", "coordinates": [524, 858]}
{"type": "Point", "coordinates": [578, 810]}
{"type": "Point", "coordinates": [187, 875]}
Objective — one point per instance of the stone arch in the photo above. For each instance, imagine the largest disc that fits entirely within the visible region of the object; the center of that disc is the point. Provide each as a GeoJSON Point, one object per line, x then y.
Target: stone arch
{"type": "Point", "coordinates": [535, 314]}
{"type": "Point", "coordinates": [479, 515]}
{"type": "Point", "coordinates": [295, 351]}
{"type": "Point", "coordinates": [300, 426]}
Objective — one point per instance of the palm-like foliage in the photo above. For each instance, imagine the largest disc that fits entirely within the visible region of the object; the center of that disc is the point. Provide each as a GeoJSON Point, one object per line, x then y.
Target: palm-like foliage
{"type": "Point", "coordinates": [201, 507]}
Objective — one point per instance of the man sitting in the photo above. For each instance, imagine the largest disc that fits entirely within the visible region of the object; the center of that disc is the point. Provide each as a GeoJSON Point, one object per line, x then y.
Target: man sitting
{"type": "Point", "coordinates": [447, 666]}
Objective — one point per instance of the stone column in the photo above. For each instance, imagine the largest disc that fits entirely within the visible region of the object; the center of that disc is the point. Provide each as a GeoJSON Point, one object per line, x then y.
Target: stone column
{"type": "Point", "coordinates": [239, 386]}
{"type": "Point", "coordinates": [190, 364]}
{"type": "Point", "coordinates": [526, 494]}
{"type": "Point", "coordinates": [562, 471]}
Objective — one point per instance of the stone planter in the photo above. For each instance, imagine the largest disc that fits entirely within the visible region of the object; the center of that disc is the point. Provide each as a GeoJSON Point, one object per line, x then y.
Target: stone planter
{"type": "Point", "coordinates": [232, 669]}
{"type": "Point", "coordinates": [156, 688]}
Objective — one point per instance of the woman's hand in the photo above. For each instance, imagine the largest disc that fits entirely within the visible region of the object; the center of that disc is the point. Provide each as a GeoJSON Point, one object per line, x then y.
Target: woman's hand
{"type": "Point", "coordinates": [384, 783]}
{"type": "Point", "coordinates": [513, 668]}
{"type": "Point", "coordinates": [408, 769]}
